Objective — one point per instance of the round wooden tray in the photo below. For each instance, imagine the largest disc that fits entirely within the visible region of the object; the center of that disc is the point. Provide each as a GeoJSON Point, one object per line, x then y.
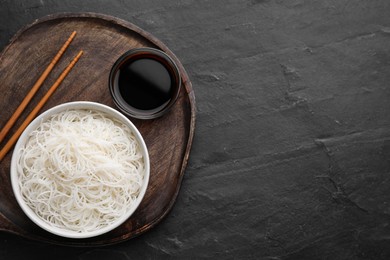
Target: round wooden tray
{"type": "Point", "coordinates": [103, 39]}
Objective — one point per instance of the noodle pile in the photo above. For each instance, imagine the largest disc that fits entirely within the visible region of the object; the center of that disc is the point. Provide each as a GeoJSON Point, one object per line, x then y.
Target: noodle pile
{"type": "Point", "coordinates": [80, 170]}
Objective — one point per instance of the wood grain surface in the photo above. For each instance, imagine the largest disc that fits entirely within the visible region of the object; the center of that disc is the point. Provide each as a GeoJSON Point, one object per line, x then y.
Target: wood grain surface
{"type": "Point", "coordinates": [103, 39]}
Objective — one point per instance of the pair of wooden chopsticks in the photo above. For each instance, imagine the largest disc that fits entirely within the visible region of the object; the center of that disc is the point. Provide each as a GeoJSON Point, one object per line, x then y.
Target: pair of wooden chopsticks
{"type": "Point", "coordinates": [30, 95]}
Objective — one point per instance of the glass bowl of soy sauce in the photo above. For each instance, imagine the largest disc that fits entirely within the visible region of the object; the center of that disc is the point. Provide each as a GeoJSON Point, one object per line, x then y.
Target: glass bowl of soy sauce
{"type": "Point", "coordinates": [144, 83]}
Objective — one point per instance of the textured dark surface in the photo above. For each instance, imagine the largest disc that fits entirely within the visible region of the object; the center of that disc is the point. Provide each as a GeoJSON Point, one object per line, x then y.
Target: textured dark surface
{"type": "Point", "coordinates": [291, 156]}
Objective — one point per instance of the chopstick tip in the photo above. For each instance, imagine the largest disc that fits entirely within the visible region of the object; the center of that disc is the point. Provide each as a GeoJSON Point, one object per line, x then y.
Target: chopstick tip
{"type": "Point", "coordinates": [73, 34]}
{"type": "Point", "coordinates": [78, 56]}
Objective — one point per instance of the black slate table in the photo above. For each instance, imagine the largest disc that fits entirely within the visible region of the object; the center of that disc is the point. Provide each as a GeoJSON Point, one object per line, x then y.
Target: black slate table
{"type": "Point", "coordinates": [291, 156]}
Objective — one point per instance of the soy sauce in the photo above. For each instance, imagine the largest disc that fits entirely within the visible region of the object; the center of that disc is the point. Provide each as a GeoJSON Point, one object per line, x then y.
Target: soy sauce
{"type": "Point", "coordinates": [145, 83]}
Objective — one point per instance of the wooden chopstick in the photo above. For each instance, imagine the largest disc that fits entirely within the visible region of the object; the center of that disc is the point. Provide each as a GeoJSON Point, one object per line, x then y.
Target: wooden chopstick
{"type": "Point", "coordinates": [35, 88]}
{"type": "Point", "coordinates": [35, 111]}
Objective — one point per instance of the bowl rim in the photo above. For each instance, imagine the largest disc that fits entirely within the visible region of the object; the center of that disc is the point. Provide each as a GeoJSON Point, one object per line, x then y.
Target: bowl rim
{"type": "Point", "coordinates": [24, 137]}
{"type": "Point", "coordinates": [148, 51]}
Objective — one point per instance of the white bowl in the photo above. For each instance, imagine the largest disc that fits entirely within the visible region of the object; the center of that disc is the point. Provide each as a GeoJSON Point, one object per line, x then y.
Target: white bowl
{"type": "Point", "coordinates": [45, 116]}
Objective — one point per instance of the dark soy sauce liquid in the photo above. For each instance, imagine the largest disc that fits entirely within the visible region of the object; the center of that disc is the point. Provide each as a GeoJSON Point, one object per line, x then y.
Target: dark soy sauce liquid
{"type": "Point", "coordinates": [145, 84]}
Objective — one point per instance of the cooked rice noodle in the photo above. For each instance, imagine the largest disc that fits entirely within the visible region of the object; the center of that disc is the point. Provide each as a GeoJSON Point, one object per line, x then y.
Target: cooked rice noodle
{"type": "Point", "coordinates": [80, 170]}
